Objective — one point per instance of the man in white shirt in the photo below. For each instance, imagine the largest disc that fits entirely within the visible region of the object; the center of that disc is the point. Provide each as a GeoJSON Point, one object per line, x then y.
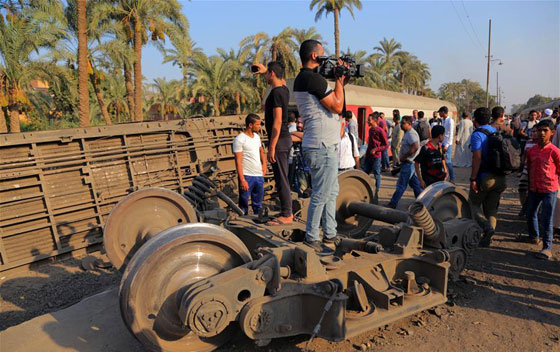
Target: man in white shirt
{"type": "Point", "coordinates": [348, 153]}
{"type": "Point", "coordinates": [449, 125]}
{"type": "Point", "coordinates": [250, 163]}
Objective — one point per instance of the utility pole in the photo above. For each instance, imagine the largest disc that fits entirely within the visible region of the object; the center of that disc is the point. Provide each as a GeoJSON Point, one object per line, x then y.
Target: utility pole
{"type": "Point", "coordinates": [488, 67]}
{"type": "Point", "coordinates": [497, 88]}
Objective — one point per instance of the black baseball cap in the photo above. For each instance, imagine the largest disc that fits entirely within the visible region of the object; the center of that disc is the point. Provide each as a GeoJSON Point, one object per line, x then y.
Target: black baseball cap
{"type": "Point", "coordinates": [443, 109]}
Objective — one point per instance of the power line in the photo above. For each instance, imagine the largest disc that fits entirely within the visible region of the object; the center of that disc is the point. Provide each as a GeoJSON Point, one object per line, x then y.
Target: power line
{"type": "Point", "coordinates": [472, 27]}
{"type": "Point", "coordinates": [463, 24]}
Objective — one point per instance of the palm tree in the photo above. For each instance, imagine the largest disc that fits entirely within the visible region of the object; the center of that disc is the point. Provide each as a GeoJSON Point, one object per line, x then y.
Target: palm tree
{"type": "Point", "coordinates": [281, 47]}
{"type": "Point", "coordinates": [301, 35]}
{"type": "Point", "coordinates": [182, 52]}
{"type": "Point", "coordinates": [390, 52]}
{"type": "Point", "coordinates": [166, 95]}
{"type": "Point", "coordinates": [335, 6]}
{"type": "Point", "coordinates": [115, 92]}
{"type": "Point", "coordinates": [213, 80]}
{"type": "Point", "coordinates": [21, 36]}
{"type": "Point", "coordinates": [117, 55]}
{"type": "Point", "coordinates": [138, 16]}
{"type": "Point", "coordinates": [244, 86]}
{"type": "Point", "coordinates": [83, 63]}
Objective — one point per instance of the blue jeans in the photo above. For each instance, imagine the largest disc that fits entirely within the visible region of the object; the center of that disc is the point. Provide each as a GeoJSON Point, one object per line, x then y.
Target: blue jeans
{"type": "Point", "coordinates": [323, 167]}
{"type": "Point", "coordinates": [407, 176]}
{"type": "Point", "coordinates": [373, 164]}
{"type": "Point", "coordinates": [385, 159]}
{"type": "Point", "coordinates": [256, 191]}
{"type": "Point", "coordinates": [449, 162]}
{"type": "Point", "coordinates": [546, 201]}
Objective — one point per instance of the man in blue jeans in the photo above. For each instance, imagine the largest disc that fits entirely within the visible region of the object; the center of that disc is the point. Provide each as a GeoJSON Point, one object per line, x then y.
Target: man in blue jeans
{"type": "Point", "coordinates": [319, 107]}
{"type": "Point", "coordinates": [376, 144]}
{"type": "Point", "coordinates": [410, 147]}
{"type": "Point", "coordinates": [250, 163]}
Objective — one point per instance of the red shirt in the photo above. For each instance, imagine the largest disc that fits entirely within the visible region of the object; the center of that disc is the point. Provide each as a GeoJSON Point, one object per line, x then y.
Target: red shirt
{"type": "Point", "coordinates": [377, 142]}
{"type": "Point", "coordinates": [543, 165]}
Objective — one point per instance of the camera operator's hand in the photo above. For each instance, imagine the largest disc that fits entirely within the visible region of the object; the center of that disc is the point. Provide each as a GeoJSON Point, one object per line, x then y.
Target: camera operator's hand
{"type": "Point", "coordinates": [262, 69]}
{"type": "Point", "coordinates": [343, 79]}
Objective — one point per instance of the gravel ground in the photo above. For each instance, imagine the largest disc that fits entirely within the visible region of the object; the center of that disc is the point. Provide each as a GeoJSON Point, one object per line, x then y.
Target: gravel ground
{"type": "Point", "coordinates": [506, 300]}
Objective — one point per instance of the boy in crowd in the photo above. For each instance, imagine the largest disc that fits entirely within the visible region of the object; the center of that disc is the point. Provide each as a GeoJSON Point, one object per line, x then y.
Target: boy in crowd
{"type": "Point", "coordinates": [377, 142]}
{"type": "Point", "coordinates": [486, 186]}
{"type": "Point", "coordinates": [385, 152]}
{"type": "Point", "coordinates": [250, 164]}
{"type": "Point", "coordinates": [396, 138]}
{"type": "Point", "coordinates": [348, 153]}
{"type": "Point", "coordinates": [410, 147]}
{"type": "Point", "coordinates": [430, 163]}
{"type": "Point", "coordinates": [543, 165]}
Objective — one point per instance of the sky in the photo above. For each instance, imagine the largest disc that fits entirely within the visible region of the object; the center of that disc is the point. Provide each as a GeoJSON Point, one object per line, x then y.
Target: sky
{"type": "Point", "coordinates": [450, 36]}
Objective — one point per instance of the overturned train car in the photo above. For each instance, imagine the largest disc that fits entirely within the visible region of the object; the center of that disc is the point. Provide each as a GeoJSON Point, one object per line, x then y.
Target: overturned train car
{"type": "Point", "coordinates": [57, 188]}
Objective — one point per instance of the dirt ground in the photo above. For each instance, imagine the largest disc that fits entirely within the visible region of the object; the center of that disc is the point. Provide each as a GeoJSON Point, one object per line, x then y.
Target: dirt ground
{"type": "Point", "coordinates": [506, 300]}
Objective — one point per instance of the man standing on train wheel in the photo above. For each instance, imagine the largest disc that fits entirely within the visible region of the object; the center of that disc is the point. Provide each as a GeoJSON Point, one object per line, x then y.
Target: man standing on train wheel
{"type": "Point", "coordinates": [319, 106]}
{"type": "Point", "coordinates": [279, 139]}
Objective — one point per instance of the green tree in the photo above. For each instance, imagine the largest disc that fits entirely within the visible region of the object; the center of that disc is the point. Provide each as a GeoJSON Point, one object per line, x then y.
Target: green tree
{"type": "Point", "coordinates": [165, 94]}
{"type": "Point", "coordinates": [466, 95]}
{"type": "Point", "coordinates": [335, 7]}
{"type": "Point", "coordinates": [182, 52]}
{"type": "Point", "coordinates": [244, 86]}
{"type": "Point", "coordinates": [83, 62]}
{"type": "Point", "coordinates": [139, 17]}
{"type": "Point", "coordinates": [389, 51]}
{"type": "Point", "coordinates": [281, 47]}
{"type": "Point", "coordinates": [213, 81]}
{"type": "Point", "coordinates": [115, 92]}
{"type": "Point", "coordinates": [20, 35]}
{"type": "Point", "coordinates": [301, 35]}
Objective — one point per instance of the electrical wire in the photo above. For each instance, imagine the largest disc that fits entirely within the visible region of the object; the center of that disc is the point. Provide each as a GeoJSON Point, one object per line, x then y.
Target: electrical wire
{"type": "Point", "coordinates": [465, 27]}
{"type": "Point", "coordinates": [472, 27]}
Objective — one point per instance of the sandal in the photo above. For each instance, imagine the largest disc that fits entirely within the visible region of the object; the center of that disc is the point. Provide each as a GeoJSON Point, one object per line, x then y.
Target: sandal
{"type": "Point", "coordinates": [277, 222]}
{"type": "Point", "coordinates": [545, 254]}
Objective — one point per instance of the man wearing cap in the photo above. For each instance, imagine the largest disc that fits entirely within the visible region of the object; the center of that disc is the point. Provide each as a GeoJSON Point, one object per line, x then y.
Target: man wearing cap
{"type": "Point", "coordinates": [449, 126]}
{"type": "Point", "coordinates": [547, 115]}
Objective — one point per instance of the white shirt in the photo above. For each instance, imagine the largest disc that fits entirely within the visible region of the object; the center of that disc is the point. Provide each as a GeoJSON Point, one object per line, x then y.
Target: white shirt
{"type": "Point", "coordinates": [347, 151]}
{"type": "Point", "coordinates": [250, 147]}
{"type": "Point", "coordinates": [449, 125]}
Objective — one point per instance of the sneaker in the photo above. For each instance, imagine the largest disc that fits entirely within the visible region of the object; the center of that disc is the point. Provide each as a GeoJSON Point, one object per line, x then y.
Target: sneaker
{"type": "Point", "coordinates": [316, 245]}
{"type": "Point", "coordinates": [331, 240]}
{"type": "Point", "coordinates": [486, 239]}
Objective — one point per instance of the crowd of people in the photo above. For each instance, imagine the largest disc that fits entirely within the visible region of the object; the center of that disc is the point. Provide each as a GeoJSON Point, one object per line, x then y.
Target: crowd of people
{"type": "Point", "coordinates": [423, 152]}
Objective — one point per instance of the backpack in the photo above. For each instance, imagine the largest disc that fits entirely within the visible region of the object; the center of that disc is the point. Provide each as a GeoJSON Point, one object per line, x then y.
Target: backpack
{"type": "Point", "coordinates": [423, 131]}
{"type": "Point", "coordinates": [504, 152]}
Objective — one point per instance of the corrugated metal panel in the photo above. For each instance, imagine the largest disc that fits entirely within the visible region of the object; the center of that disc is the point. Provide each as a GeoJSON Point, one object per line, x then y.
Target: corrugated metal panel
{"type": "Point", "coordinates": [58, 187]}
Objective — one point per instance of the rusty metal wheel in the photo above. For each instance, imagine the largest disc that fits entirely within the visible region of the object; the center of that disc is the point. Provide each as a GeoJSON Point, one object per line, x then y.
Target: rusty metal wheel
{"type": "Point", "coordinates": [159, 273]}
{"type": "Point", "coordinates": [354, 186]}
{"type": "Point", "coordinates": [446, 201]}
{"type": "Point", "coordinates": [140, 216]}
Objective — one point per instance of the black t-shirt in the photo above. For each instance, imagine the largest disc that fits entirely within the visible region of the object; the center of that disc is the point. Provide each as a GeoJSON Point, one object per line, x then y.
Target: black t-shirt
{"type": "Point", "coordinates": [278, 97]}
{"type": "Point", "coordinates": [431, 161]}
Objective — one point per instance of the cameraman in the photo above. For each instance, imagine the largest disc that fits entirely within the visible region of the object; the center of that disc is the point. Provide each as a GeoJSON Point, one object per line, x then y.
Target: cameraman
{"type": "Point", "coordinates": [319, 107]}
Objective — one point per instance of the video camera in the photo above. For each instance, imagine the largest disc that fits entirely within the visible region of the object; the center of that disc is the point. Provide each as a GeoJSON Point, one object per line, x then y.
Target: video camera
{"type": "Point", "coordinates": [330, 69]}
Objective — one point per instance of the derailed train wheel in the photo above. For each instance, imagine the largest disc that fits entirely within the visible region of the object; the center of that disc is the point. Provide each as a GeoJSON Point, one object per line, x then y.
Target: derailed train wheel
{"type": "Point", "coordinates": [158, 274]}
{"type": "Point", "coordinates": [140, 216]}
{"type": "Point", "coordinates": [446, 201]}
{"type": "Point", "coordinates": [354, 186]}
